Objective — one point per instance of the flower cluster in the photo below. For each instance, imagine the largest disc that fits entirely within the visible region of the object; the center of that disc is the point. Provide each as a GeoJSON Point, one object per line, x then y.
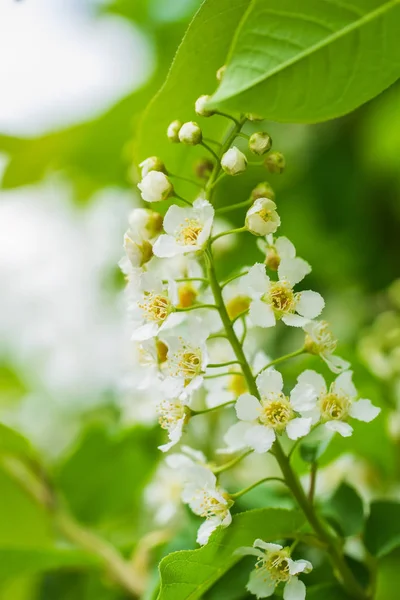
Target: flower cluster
{"type": "Point", "coordinates": [178, 306]}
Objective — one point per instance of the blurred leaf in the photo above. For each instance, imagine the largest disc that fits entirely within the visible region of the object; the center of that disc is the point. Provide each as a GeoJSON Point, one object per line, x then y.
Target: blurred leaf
{"type": "Point", "coordinates": [12, 387]}
{"type": "Point", "coordinates": [382, 528]}
{"type": "Point", "coordinates": [104, 477]}
{"type": "Point", "coordinates": [232, 586]}
{"type": "Point", "coordinates": [15, 562]}
{"type": "Point", "coordinates": [346, 509]}
{"type": "Point", "coordinates": [328, 591]}
{"type": "Point", "coordinates": [328, 52]}
{"type": "Point", "coordinates": [388, 577]}
{"type": "Point", "coordinates": [311, 452]}
{"type": "Point", "coordinates": [192, 74]}
{"type": "Point", "coordinates": [193, 572]}
{"type": "Point", "coordinates": [12, 442]}
{"type": "Point", "coordinates": [88, 585]}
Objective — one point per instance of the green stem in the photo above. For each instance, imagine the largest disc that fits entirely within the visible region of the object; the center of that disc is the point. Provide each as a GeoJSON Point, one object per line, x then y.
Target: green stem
{"type": "Point", "coordinates": [212, 409]}
{"type": "Point", "coordinates": [281, 359]}
{"type": "Point", "coordinates": [233, 278]}
{"type": "Point", "coordinates": [225, 209]}
{"type": "Point", "coordinates": [232, 462]}
{"type": "Point", "coordinates": [229, 232]}
{"type": "Point", "coordinates": [257, 483]}
{"type": "Point", "coordinates": [225, 364]}
{"type": "Point", "coordinates": [207, 147]}
{"type": "Point", "coordinates": [226, 374]}
{"type": "Point", "coordinates": [222, 114]}
{"type": "Point", "coordinates": [184, 279]}
{"type": "Point", "coordinates": [182, 199]}
{"type": "Point", "coordinates": [313, 482]}
{"type": "Point", "coordinates": [195, 307]}
{"type": "Point", "coordinates": [197, 183]}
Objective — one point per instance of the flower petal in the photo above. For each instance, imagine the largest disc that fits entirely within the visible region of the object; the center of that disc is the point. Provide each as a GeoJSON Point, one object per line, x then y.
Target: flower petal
{"type": "Point", "coordinates": [344, 429]}
{"type": "Point", "coordinates": [261, 314]}
{"type": "Point", "coordinates": [335, 363]}
{"type": "Point", "coordinates": [260, 438]}
{"type": "Point", "coordinates": [166, 246]}
{"type": "Point", "coordinates": [269, 380]}
{"type": "Point", "coordinates": [174, 217]}
{"type": "Point", "coordinates": [299, 427]}
{"type": "Point", "coordinates": [364, 410]}
{"type": "Point", "coordinates": [267, 545]}
{"type": "Point", "coordinates": [249, 551]}
{"type": "Point", "coordinates": [295, 320]}
{"type": "Point", "coordinates": [294, 590]}
{"type": "Point", "coordinates": [256, 279]}
{"type": "Point", "coordinates": [285, 248]}
{"type": "Point", "coordinates": [344, 383]}
{"type": "Point", "coordinates": [235, 436]}
{"type": "Point", "coordinates": [260, 584]}
{"type": "Point", "coordinates": [313, 378]}
{"type": "Point", "coordinates": [206, 529]}
{"type": "Point", "coordinates": [310, 304]}
{"type": "Point", "coordinates": [247, 407]}
{"type": "Point", "coordinates": [303, 397]}
{"type": "Point", "coordinates": [299, 566]}
{"type": "Point", "coordinates": [293, 270]}
{"type": "Point", "coordinates": [145, 332]}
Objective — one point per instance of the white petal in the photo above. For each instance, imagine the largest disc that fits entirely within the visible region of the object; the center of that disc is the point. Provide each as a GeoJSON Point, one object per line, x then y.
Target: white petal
{"type": "Point", "coordinates": [269, 380]}
{"type": "Point", "coordinates": [267, 545]}
{"type": "Point", "coordinates": [303, 397]}
{"type": "Point", "coordinates": [166, 246]}
{"type": "Point", "coordinates": [295, 320]}
{"type": "Point", "coordinates": [364, 410]}
{"type": "Point", "coordinates": [249, 551]}
{"type": "Point", "coordinates": [260, 438]}
{"type": "Point", "coordinates": [235, 436]}
{"type": "Point", "coordinates": [145, 332]}
{"type": "Point", "coordinates": [256, 279]}
{"type": "Point", "coordinates": [293, 270]}
{"type": "Point", "coordinates": [299, 566]}
{"type": "Point", "coordinates": [294, 590]}
{"type": "Point", "coordinates": [174, 217]}
{"type": "Point", "coordinates": [172, 320]}
{"type": "Point", "coordinates": [344, 429]}
{"type": "Point", "coordinates": [247, 407]}
{"type": "Point", "coordinates": [261, 314]}
{"type": "Point", "coordinates": [285, 248]}
{"type": "Point", "coordinates": [260, 585]}
{"type": "Point", "coordinates": [344, 383]}
{"type": "Point", "coordinates": [310, 304]}
{"type": "Point", "coordinates": [335, 363]}
{"type": "Point", "coordinates": [299, 427]}
{"type": "Point", "coordinates": [313, 378]}
{"type": "Point", "coordinates": [206, 529]}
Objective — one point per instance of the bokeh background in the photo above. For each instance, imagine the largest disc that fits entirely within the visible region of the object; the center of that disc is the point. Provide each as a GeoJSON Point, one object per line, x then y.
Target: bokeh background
{"type": "Point", "coordinates": [75, 78]}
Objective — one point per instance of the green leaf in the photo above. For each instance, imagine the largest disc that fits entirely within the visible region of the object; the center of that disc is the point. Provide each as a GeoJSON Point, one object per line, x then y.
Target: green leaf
{"type": "Point", "coordinates": [388, 577]}
{"type": "Point", "coordinates": [190, 573]}
{"type": "Point", "coordinates": [15, 561]}
{"type": "Point", "coordinates": [328, 591]}
{"type": "Point", "coordinates": [311, 61]}
{"type": "Point", "coordinates": [12, 442]}
{"type": "Point", "coordinates": [382, 529]}
{"type": "Point", "coordinates": [232, 586]}
{"type": "Point", "coordinates": [346, 509]}
{"type": "Point", "coordinates": [193, 73]}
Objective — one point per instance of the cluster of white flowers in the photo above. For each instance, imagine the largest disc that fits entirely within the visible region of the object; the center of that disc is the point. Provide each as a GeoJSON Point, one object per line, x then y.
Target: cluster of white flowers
{"type": "Point", "coordinates": [178, 307]}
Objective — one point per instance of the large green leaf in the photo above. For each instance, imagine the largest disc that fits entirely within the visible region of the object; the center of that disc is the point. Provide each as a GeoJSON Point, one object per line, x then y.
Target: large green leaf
{"type": "Point", "coordinates": [382, 529]}
{"type": "Point", "coordinates": [345, 508]}
{"type": "Point", "coordinates": [12, 442]}
{"type": "Point", "coordinates": [203, 50]}
{"type": "Point", "coordinates": [312, 60]}
{"type": "Point", "coordinates": [190, 573]}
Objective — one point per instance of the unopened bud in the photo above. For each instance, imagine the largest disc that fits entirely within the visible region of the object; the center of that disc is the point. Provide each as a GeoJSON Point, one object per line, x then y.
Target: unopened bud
{"type": "Point", "coordinates": [233, 161]}
{"type": "Point", "coordinates": [187, 295]}
{"type": "Point", "coordinates": [153, 163]}
{"type": "Point", "coordinates": [220, 73]}
{"type": "Point", "coordinates": [203, 168]}
{"type": "Point", "coordinates": [260, 142]}
{"type": "Point", "coordinates": [155, 187]}
{"type": "Point", "coordinates": [253, 117]}
{"type": "Point", "coordinates": [162, 351]}
{"type": "Point", "coordinates": [200, 107]}
{"type": "Point", "coordinates": [173, 131]}
{"type": "Point", "coordinates": [190, 133]}
{"type": "Point", "coordinates": [145, 223]}
{"type": "Point", "coordinates": [275, 162]}
{"type": "Point", "coordinates": [237, 305]}
{"type": "Point", "coordinates": [262, 218]}
{"type": "Point", "coordinates": [139, 253]}
{"type": "Point", "coordinates": [263, 190]}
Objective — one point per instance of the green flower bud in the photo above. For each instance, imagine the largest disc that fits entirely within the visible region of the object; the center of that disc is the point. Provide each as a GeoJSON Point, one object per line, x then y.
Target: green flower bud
{"type": "Point", "coordinates": [260, 143]}
{"type": "Point", "coordinates": [173, 131]}
{"type": "Point", "coordinates": [263, 190]}
{"type": "Point", "coordinates": [203, 168]}
{"type": "Point", "coordinates": [275, 162]}
{"type": "Point", "coordinates": [153, 163]}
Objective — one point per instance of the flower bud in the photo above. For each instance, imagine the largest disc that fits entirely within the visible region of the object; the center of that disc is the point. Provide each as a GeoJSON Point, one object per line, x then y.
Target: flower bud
{"type": "Point", "coordinates": [275, 162]}
{"type": "Point", "coordinates": [220, 73]}
{"type": "Point", "coordinates": [233, 161]}
{"type": "Point", "coordinates": [139, 253]}
{"type": "Point", "coordinates": [238, 305]}
{"type": "Point", "coordinates": [162, 351]}
{"type": "Point", "coordinates": [262, 218]}
{"type": "Point", "coordinates": [203, 168]}
{"type": "Point", "coordinates": [155, 187]}
{"type": "Point", "coordinates": [272, 259]}
{"type": "Point", "coordinates": [187, 295]}
{"type": "Point", "coordinates": [263, 190]}
{"type": "Point", "coordinates": [190, 133]}
{"type": "Point", "coordinates": [145, 223]}
{"type": "Point", "coordinates": [200, 107]}
{"type": "Point", "coordinates": [173, 131]}
{"type": "Point", "coordinates": [253, 117]}
{"type": "Point", "coordinates": [153, 163]}
{"type": "Point", "coordinates": [260, 143]}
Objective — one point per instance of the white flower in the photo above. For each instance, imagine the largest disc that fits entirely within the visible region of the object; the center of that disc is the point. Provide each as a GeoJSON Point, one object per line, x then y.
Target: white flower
{"type": "Point", "coordinates": [206, 499]}
{"type": "Point", "coordinates": [153, 163]}
{"type": "Point", "coordinates": [187, 361]}
{"type": "Point", "coordinates": [152, 306]}
{"type": "Point", "coordinates": [173, 131]}
{"type": "Point", "coordinates": [262, 218]}
{"type": "Point", "coordinates": [200, 106]}
{"type": "Point", "coordinates": [155, 186]}
{"type": "Point", "coordinates": [261, 420]}
{"type": "Point", "coordinates": [144, 223]}
{"type": "Point", "coordinates": [139, 252]}
{"type": "Point", "coordinates": [274, 566]}
{"type": "Point", "coordinates": [233, 161]}
{"type": "Point", "coordinates": [173, 414]}
{"type": "Point", "coordinates": [260, 142]}
{"type": "Point", "coordinates": [333, 407]}
{"type": "Point", "coordinates": [273, 300]}
{"type": "Point", "coordinates": [190, 133]}
{"type": "Point", "coordinates": [281, 257]}
{"type": "Point", "coordinates": [319, 340]}
{"type": "Point", "coordinates": [187, 229]}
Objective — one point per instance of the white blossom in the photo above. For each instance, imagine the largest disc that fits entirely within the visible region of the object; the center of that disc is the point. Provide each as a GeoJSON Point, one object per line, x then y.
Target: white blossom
{"type": "Point", "coordinates": [274, 300]}
{"type": "Point", "coordinates": [187, 229]}
{"type": "Point", "coordinates": [234, 161]}
{"type": "Point", "coordinates": [274, 566]}
{"type": "Point", "coordinates": [153, 163]}
{"type": "Point", "coordinates": [155, 186]}
{"type": "Point", "coordinates": [172, 416]}
{"type": "Point", "coordinates": [260, 142]}
{"type": "Point", "coordinates": [200, 106]}
{"type": "Point", "coordinates": [144, 223]}
{"type": "Point", "coordinates": [334, 406]}
{"type": "Point", "coordinates": [138, 251]}
{"type": "Point", "coordinates": [187, 360]}
{"type": "Point", "coordinates": [262, 218]}
{"type": "Point", "coordinates": [280, 256]}
{"type": "Point", "coordinates": [319, 340]}
{"type": "Point", "coordinates": [261, 420]}
{"type": "Point", "coordinates": [190, 133]}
